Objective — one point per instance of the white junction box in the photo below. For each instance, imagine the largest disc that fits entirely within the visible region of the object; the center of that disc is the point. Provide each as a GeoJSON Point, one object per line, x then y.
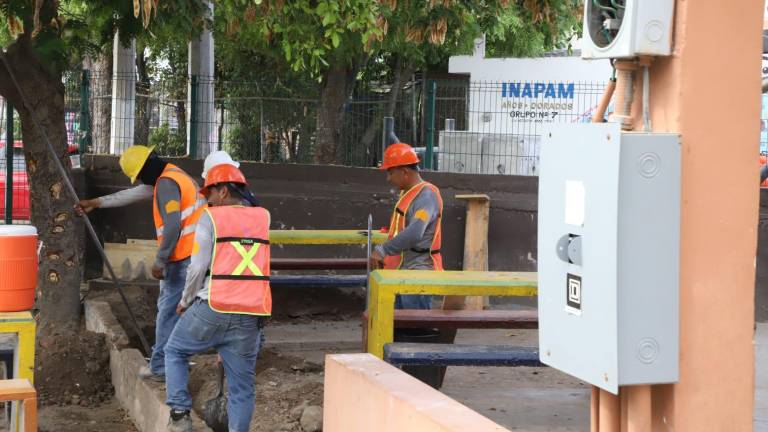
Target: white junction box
{"type": "Point", "coordinates": [608, 254]}
{"type": "Point", "coordinates": [628, 28]}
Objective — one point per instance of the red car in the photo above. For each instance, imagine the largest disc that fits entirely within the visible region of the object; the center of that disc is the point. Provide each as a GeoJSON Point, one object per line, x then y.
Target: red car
{"type": "Point", "coordinates": [21, 208]}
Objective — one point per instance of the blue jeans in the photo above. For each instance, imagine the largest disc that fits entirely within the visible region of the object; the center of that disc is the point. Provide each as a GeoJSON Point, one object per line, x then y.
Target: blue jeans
{"type": "Point", "coordinates": [413, 302]}
{"type": "Point", "coordinates": [171, 288]}
{"type": "Point", "coordinates": [236, 337]}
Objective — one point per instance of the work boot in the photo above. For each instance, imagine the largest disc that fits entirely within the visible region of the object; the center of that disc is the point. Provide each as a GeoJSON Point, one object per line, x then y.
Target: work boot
{"type": "Point", "coordinates": [146, 374]}
{"type": "Point", "coordinates": [179, 421]}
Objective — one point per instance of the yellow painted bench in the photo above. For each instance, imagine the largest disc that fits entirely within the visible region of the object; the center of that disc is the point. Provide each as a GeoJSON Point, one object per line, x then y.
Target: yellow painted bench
{"type": "Point", "coordinates": [324, 237]}
{"type": "Point", "coordinates": [23, 325]}
{"type": "Point", "coordinates": [384, 285]}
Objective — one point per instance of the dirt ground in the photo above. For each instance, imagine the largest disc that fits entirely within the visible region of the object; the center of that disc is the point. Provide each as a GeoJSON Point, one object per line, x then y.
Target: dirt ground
{"type": "Point", "coordinates": [300, 306]}
{"type": "Point", "coordinates": [73, 381]}
{"type": "Point", "coordinates": [107, 417]}
{"type": "Point", "coordinates": [72, 369]}
{"type": "Point", "coordinates": [284, 384]}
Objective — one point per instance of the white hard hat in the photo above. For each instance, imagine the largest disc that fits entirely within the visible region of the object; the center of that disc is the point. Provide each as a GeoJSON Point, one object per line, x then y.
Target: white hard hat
{"type": "Point", "coordinates": [218, 157]}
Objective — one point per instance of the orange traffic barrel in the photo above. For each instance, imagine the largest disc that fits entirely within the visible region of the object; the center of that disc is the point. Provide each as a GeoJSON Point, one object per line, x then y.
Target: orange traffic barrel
{"type": "Point", "coordinates": [18, 267]}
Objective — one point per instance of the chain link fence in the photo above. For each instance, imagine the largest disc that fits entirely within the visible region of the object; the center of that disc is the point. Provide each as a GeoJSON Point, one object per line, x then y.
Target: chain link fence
{"type": "Point", "coordinates": [492, 127]}
{"type": "Point", "coordinates": [466, 127]}
{"type": "Point", "coordinates": [199, 115]}
{"type": "Point", "coordinates": [495, 127]}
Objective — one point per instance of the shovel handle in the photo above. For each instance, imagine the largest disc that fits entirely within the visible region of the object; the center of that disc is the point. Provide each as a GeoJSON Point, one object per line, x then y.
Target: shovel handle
{"type": "Point", "coordinates": [221, 379]}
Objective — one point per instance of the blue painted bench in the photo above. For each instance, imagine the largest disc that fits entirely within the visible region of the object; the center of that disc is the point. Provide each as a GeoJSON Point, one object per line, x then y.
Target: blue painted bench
{"type": "Point", "coordinates": [317, 281]}
{"type": "Point", "coordinates": [411, 354]}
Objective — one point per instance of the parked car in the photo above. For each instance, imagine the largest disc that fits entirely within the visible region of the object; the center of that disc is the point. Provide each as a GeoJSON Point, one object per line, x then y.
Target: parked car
{"type": "Point", "coordinates": [20, 182]}
{"type": "Point", "coordinates": [21, 207]}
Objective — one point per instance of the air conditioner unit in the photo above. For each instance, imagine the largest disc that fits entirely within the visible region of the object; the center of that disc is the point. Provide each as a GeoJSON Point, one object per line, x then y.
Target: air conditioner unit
{"type": "Point", "coordinates": [627, 28]}
{"type": "Point", "coordinates": [460, 152]}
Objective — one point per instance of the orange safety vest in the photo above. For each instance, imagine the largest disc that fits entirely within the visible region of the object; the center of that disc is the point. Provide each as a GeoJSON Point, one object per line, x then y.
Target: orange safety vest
{"type": "Point", "coordinates": [191, 207]}
{"type": "Point", "coordinates": [398, 223]}
{"type": "Point", "coordinates": [240, 264]}
{"type": "Point", "coordinates": [763, 161]}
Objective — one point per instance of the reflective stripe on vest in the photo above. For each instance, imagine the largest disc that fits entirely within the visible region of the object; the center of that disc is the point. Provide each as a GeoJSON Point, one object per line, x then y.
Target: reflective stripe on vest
{"type": "Point", "coordinates": [240, 264]}
{"type": "Point", "coordinates": [398, 223]}
{"type": "Point", "coordinates": [191, 207]}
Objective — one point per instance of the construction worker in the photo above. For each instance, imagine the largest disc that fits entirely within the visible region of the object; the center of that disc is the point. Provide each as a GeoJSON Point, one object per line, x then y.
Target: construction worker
{"type": "Point", "coordinates": [177, 206]}
{"type": "Point", "coordinates": [414, 230]}
{"type": "Point", "coordinates": [226, 296]}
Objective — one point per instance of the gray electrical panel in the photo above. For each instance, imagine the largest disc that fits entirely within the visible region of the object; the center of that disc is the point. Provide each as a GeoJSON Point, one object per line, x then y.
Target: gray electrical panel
{"type": "Point", "coordinates": [608, 254]}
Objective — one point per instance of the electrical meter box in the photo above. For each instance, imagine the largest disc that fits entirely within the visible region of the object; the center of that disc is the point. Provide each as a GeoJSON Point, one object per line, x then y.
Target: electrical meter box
{"type": "Point", "coordinates": [608, 254]}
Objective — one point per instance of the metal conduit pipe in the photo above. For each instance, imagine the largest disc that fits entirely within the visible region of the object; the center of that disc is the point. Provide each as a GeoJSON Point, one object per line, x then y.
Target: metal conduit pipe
{"type": "Point", "coordinates": [625, 84]}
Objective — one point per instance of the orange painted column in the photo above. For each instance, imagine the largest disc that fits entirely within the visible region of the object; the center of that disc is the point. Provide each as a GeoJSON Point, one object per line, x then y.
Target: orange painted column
{"type": "Point", "coordinates": [708, 91]}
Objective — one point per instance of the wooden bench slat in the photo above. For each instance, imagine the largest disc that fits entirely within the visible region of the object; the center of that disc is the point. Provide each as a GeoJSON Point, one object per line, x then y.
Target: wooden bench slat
{"type": "Point", "coordinates": [466, 319]}
{"type": "Point", "coordinates": [401, 354]}
{"type": "Point", "coordinates": [317, 281]}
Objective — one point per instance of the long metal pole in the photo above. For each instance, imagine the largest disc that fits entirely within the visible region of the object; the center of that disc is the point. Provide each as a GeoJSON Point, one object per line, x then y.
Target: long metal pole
{"type": "Point", "coordinates": [73, 194]}
{"type": "Point", "coordinates": [368, 265]}
{"type": "Point", "coordinates": [430, 138]}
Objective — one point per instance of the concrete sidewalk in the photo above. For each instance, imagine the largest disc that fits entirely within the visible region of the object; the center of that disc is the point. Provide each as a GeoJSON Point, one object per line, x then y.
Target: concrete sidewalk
{"type": "Point", "coordinates": [518, 398]}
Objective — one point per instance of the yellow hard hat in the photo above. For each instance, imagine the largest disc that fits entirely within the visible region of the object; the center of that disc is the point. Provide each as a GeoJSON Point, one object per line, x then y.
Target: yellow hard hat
{"type": "Point", "coordinates": [133, 159]}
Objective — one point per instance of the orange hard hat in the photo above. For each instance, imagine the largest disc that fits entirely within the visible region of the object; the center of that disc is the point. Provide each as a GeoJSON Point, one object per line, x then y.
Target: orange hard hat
{"type": "Point", "coordinates": [223, 173]}
{"type": "Point", "coordinates": [399, 154]}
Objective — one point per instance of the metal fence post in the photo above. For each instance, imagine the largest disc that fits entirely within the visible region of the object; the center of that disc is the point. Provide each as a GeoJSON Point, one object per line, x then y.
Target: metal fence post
{"type": "Point", "coordinates": [262, 134]}
{"type": "Point", "coordinates": [8, 162]}
{"type": "Point", "coordinates": [193, 117]}
{"type": "Point", "coordinates": [431, 96]}
{"type": "Point", "coordinates": [85, 113]}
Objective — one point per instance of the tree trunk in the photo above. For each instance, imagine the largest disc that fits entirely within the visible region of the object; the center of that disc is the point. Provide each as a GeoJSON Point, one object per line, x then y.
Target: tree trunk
{"type": "Point", "coordinates": [143, 107]}
{"type": "Point", "coordinates": [369, 143]}
{"type": "Point", "coordinates": [181, 119]}
{"type": "Point", "coordinates": [330, 114]}
{"type": "Point", "coordinates": [58, 228]}
{"type": "Point", "coordinates": [100, 103]}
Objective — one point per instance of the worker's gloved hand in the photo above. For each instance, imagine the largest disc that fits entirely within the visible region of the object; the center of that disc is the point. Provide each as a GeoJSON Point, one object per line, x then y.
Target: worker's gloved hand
{"type": "Point", "coordinates": [86, 206]}
{"type": "Point", "coordinates": [377, 261]}
{"type": "Point", "coordinates": [158, 272]}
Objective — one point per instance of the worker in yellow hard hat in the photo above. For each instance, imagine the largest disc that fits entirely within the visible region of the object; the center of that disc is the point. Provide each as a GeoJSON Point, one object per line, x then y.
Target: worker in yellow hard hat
{"type": "Point", "coordinates": [177, 205]}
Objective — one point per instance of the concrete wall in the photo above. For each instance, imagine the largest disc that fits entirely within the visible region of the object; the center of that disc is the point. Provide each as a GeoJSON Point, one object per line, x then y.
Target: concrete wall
{"type": "Point", "coordinates": [324, 197]}
{"type": "Point", "coordinates": [342, 197]}
{"type": "Point", "coordinates": [363, 393]}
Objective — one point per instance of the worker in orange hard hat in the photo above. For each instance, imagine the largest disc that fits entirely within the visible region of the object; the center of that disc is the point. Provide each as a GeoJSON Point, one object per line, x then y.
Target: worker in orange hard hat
{"type": "Point", "coordinates": [414, 230]}
{"type": "Point", "coordinates": [226, 297]}
{"type": "Point", "coordinates": [415, 235]}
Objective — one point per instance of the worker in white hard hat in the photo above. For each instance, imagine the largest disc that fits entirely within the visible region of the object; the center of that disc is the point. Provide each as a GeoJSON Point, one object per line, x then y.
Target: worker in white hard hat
{"type": "Point", "coordinates": [218, 157]}
{"type": "Point", "coordinates": [177, 206]}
